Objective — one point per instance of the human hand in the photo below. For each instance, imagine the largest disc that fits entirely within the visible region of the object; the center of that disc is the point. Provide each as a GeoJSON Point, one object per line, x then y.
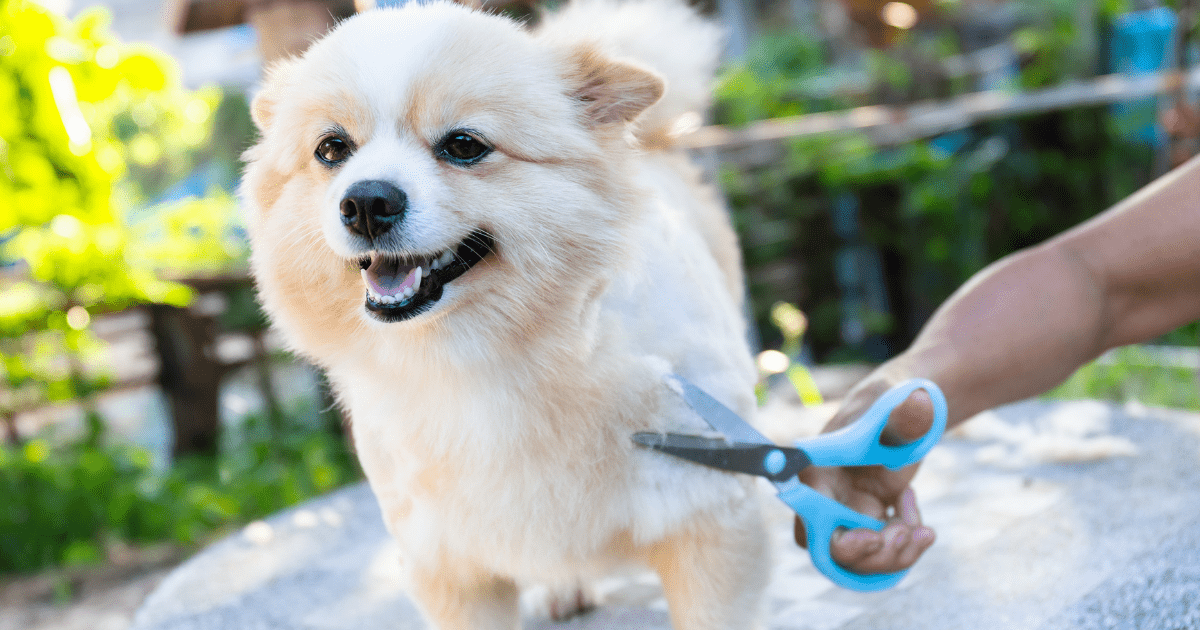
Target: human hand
{"type": "Point", "coordinates": [876, 491]}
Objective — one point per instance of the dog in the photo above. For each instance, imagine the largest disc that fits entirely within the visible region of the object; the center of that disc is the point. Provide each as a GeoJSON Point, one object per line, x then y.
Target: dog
{"type": "Point", "coordinates": [480, 231]}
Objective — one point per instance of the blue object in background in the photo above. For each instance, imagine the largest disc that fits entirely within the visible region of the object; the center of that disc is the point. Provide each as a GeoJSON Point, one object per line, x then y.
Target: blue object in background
{"type": "Point", "coordinates": [1142, 42]}
{"type": "Point", "coordinates": [861, 281]}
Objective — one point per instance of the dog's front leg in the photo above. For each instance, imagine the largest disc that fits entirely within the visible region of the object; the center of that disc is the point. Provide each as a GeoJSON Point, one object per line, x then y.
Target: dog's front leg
{"type": "Point", "coordinates": [714, 573]}
{"type": "Point", "coordinates": [451, 600]}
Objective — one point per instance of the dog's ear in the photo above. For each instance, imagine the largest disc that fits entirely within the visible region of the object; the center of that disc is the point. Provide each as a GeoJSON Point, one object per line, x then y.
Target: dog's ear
{"type": "Point", "coordinates": [263, 106]}
{"type": "Point", "coordinates": [612, 91]}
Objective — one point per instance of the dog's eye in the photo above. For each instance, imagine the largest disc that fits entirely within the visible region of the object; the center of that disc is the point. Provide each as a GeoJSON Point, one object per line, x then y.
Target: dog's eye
{"type": "Point", "coordinates": [462, 148]}
{"type": "Point", "coordinates": [333, 150]}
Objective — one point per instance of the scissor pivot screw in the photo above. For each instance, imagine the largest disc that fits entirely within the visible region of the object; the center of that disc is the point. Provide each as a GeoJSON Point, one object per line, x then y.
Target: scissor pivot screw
{"type": "Point", "coordinates": [775, 461]}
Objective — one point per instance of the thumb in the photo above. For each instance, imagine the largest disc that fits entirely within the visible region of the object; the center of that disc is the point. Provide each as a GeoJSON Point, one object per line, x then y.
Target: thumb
{"type": "Point", "coordinates": [910, 419]}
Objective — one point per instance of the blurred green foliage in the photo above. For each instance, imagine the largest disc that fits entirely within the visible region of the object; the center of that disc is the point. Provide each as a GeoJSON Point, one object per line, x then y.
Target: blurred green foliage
{"type": "Point", "coordinates": [93, 130]}
{"type": "Point", "coordinates": [1133, 373]}
{"type": "Point", "coordinates": [192, 236]}
{"type": "Point", "coordinates": [933, 211]}
{"type": "Point", "coordinates": [62, 503]}
{"type": "Point", "coordinates": [85, 111]}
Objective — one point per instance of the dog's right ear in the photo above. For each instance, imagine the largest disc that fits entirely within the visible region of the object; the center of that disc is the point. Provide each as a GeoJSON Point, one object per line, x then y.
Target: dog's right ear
{"type": "Point", "coordinates": [266, 101]}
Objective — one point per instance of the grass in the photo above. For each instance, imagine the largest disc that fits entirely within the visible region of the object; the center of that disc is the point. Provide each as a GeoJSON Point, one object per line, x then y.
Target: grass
{"type": "Point", "coordinates": [1133, 373]}
{"type": "Point", "coordinates": [64, 505]}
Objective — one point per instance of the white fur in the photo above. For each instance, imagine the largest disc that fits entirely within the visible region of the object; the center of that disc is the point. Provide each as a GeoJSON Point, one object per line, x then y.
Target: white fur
{"type": "Point", "coordinates": [495, 428]}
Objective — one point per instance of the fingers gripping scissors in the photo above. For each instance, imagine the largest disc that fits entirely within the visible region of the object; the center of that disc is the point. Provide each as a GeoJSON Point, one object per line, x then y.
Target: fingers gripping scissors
{"type": "Point", "coordinates": [745, 450]}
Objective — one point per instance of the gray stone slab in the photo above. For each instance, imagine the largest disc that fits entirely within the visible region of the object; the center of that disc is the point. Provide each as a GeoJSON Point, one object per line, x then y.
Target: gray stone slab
{"type": "Point", "coordinates": [1028, 538]}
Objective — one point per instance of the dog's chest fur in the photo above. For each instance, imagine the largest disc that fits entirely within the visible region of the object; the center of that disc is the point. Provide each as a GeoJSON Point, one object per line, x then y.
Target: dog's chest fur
{"type": "Point", "coordinates": [531, 479]}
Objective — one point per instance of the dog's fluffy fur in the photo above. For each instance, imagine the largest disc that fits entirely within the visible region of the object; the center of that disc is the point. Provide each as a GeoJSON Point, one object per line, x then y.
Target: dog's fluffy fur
{"type": "Point", "coordinates": [494, 425]}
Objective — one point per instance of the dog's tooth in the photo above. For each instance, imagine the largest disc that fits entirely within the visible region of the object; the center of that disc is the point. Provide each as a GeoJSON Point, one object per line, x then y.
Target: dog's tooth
{"type": "Point", "coordinates": [363, 272]}
{"type": "Point", "coordinates": [446, 258]}
{"type": "Point", "coordinates": [417, 278]}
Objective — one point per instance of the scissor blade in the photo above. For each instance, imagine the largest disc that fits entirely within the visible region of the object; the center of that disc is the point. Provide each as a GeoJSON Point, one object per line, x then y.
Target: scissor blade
{"type": "Point", "coordinates": [776, 463]}
{"type": "Point", "coordinates": [718, 416]}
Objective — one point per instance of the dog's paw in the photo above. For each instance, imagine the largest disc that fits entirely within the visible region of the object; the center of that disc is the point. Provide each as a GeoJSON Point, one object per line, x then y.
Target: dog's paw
{"type": "Point", "coordinates": [567, 604]}
{"type": "Point", "coordinates": [558, 603]}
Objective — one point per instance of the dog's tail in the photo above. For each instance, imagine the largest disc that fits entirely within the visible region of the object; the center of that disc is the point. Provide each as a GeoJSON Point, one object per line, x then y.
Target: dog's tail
{"type": "Point", "coordinates": [664, 35]}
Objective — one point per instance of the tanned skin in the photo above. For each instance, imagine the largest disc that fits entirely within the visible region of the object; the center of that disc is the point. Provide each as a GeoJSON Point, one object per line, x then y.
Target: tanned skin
{"type": "Point", "coordinates": [1016, 329]}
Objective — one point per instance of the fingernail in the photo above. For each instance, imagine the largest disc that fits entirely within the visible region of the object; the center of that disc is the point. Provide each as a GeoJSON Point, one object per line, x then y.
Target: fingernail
{"type": "Point", "coordinates": [868, 541]}
{"type": "Point", "coordinates": [894, 537]}
{"type": "Point", "coordinates": [908, 508]}
{"type": "Point", "coordinates": [924, 536]}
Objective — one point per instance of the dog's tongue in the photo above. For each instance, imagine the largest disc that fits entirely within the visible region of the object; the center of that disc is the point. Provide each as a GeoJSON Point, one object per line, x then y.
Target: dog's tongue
{"type": "Point", "coordinates": [387, 276]}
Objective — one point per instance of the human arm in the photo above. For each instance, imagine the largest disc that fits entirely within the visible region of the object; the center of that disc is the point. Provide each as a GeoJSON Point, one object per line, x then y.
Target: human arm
{"type": "Point", "coordinates": [1018, 328]}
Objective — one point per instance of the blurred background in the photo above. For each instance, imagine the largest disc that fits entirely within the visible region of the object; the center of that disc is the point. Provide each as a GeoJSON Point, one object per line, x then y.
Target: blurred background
{"type": "Point", "coordinates": [875, 154]}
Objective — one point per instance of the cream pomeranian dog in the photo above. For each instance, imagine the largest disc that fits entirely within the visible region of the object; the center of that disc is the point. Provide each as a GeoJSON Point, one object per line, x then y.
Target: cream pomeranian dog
{"type": "Point", "coordinates": [480, 232]}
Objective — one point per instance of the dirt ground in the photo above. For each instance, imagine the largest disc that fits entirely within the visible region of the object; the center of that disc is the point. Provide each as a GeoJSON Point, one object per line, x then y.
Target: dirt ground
{"type": "Point", "coordinates": [94, 598]}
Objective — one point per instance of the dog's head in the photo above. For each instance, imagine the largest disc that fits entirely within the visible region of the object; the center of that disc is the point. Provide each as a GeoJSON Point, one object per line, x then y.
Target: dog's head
{"type": "Point", "coordinates": [423, 161]}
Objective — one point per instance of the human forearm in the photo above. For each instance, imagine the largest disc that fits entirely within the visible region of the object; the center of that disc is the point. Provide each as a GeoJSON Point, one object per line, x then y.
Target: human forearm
{"type": "Point", "coordinates": [1016, 329]}
{"type": "Point", "coordinates": [1003, 337]}
{"type": "Point", "coordinates": [1028, 321]}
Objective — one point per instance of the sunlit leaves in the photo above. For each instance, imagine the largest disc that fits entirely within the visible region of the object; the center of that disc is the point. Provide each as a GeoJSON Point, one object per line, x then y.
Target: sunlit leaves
{"type": "Point", "coordinates": [195, 236]}
{"type": "Point", "coordinates": [82, 112]}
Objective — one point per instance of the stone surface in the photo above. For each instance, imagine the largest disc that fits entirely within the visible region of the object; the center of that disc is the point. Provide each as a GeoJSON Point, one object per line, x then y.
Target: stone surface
{"type": "Point", "coordinates": [1050, 516]}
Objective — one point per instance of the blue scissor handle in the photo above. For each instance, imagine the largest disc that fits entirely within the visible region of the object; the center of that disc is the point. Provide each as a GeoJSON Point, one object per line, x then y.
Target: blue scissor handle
{"type": "Point", "coordinates": [858, 444]}
{"type": "Point", "coordinates": [823, 516]}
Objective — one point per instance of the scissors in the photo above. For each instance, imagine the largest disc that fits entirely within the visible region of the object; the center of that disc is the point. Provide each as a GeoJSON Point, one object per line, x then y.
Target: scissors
{"type": "Point", "coordinates": [745, 450]}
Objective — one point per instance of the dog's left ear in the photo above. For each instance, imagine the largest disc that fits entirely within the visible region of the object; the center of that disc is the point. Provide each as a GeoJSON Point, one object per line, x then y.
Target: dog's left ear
{"type": "Point", "coordinates": [613, 91]}
{"type": "Point", "coordinates": [266, 102]}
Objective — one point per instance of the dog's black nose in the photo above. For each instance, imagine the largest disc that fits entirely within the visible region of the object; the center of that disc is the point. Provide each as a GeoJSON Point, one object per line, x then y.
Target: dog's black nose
{"type": "Point", "coordinates": [371, 207]}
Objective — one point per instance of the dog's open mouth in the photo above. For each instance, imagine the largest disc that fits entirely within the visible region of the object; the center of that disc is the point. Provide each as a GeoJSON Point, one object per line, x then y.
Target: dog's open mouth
{"type": "Point", "coordinates": [402, 287]}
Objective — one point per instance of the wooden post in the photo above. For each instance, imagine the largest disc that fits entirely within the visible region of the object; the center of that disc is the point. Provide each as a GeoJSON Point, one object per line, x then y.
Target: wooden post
{"type": "Point", "coordinates": [262, 366]}
{"type": "Point", "coordinates": [11, 436]}
{"type": "Point", "coordinates": [1182, 120]}
{"type": "Point", "coordinates": [190, 377]}
{"type": "Point", "coordinates": [287, 28]}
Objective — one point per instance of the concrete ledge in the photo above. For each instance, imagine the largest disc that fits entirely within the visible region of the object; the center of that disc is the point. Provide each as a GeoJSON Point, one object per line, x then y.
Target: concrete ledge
{"type": "Point", "coordinates": [1026, 540]}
